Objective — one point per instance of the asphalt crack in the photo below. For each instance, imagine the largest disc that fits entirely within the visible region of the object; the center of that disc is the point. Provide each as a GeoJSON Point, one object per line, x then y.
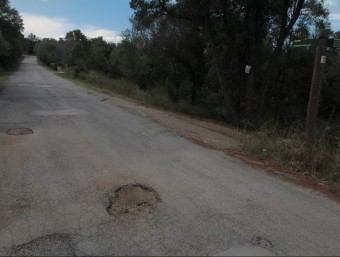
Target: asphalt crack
{"type": "Point", "coordinates": [50, 245]}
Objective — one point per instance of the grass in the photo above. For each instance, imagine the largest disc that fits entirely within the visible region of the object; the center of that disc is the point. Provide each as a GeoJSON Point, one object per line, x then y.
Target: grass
{"type": "Point", "coordinates": [4, 76]}
{"type": "Point", "coordinates": [156, 97]}
{"type": "Point", "coordinates": [288, 147]}
{"type": "Point", "coordinates": [277, 145]}
{"type": "Point", "coordinates": [122, 87]}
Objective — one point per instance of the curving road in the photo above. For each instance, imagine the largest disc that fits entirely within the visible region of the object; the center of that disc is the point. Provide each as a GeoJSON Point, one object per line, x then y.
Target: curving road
{"type": "Point", "coordinates": [56, 184]}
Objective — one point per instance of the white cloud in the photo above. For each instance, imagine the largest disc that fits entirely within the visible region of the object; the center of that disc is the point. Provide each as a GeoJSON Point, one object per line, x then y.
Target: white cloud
{"type": "Point", "coordinates": [57, 27]}
{"type": "Point", "coordinates": [108, 35]}
{"type": "Point", "coordinates": [43, 26]}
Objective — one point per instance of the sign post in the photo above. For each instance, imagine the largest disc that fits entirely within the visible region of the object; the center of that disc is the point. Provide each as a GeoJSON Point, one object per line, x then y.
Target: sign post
{"type": "Point", "coordinates": [314, 98]}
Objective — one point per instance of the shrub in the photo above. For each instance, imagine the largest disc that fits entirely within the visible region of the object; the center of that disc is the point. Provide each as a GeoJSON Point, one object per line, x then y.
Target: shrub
{"type": "Point", "coordinates": [53, 66]}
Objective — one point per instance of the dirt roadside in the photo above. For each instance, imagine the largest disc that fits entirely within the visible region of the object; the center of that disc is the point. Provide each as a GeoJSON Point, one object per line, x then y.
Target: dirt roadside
{"type": "Point", "coordinates": [219, 137]}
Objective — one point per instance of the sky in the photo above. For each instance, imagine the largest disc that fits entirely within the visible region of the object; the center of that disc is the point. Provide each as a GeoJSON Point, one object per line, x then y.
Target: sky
{"type": "Point", "coordinates": [54, 18]}
{"type": "Point", "coordinates": [95, 18]}
{"type": "Point", "coordinates": [334, 8]}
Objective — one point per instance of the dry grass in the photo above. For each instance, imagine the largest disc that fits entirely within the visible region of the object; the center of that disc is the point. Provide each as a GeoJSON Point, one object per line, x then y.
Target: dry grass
{"type": "Point", "coordinates": [288, 147]}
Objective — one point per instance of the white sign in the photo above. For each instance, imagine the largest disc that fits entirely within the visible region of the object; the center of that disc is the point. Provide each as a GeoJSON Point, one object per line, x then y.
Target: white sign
{"type": "Point", "coordinates": [323, 59]}
{"type": "Point", "coordinates": [247, 69]}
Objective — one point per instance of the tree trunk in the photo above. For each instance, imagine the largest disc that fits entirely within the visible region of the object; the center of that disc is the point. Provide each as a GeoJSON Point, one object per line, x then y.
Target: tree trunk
{"type": "Point", "coordinates": [273, 64]}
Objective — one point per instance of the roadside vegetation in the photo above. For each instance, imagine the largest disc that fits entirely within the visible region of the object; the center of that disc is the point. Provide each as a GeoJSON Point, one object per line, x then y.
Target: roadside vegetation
{"type": "Point", "coordinates": [287, 146]}
{"type": "Point", "coordinates": [3, 77]}
{"type": "Point", "coordinates": [11, 38]}
{"type": "Point", "coordinates": [190, 56]}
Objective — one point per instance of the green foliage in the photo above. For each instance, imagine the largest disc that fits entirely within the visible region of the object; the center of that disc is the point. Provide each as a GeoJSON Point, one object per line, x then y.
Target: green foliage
{"type": "Point", "coordinates": [3, 77]}
{"type": "Point", "coordinates": [287, 146]}
{"type": "Point", "coordinates": [53, 66]}
{"type": "Point", "coordinates": [134, 63]}
{"type": "Point", "coordinates": [11, 26]}
{"type": "Point", "coordinates": [29, 43]}
{"type": "Point", "coordinates": [79, 50]}
{"type": "Point", "coordinates": [99, 55]}
{"type": "Point", "coordinates": [46, 51]}
{"type": "Point", "coordinates": [5, 47]}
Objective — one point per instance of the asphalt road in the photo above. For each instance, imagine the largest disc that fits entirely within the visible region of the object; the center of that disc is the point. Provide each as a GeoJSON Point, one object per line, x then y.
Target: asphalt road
{"type": "Point", "coordinates": [55, 184]}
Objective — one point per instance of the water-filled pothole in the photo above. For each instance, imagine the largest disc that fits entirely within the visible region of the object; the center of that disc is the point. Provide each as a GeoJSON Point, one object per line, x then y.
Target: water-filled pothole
{"type": "Point", "coordinates": [132, 200]}
{"type": "Point", "coordinates": [19, 131]}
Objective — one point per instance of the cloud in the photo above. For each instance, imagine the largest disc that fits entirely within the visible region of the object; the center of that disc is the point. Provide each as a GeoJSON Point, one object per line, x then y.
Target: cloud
{"type": "Point", "coordinates": [108, 35]}
{"type": "Point", "coordinates": [57, 27]}
{"type": "Point", "coordinates": [44, 26]}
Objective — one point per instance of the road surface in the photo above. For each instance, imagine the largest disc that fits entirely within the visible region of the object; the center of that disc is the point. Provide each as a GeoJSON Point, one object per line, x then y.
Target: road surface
{"type": "Point", "coordinates": [57, 185]}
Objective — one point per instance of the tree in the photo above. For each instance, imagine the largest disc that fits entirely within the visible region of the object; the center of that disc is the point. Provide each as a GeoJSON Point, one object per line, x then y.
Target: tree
{"type": "Point", "coordinates": [99, 55]}
{"type": "Point", "coordinates": [133, 61]}
{"type": "Point", "coordinates": [228, 35]}
{"type": "Point", "coordinates": [11, 26]}
{"type": "Point", "coordinates": [227, 30]}
{"type": "Point", "coordinates": [4, 47]}
{"type": "Point", "coordinates": [29, 43]}
{"type": "Point", "coordinates": [294, 19]}
{"type": "Point", "coordinates": [79, 50]}
{"type": "Point", "coordinates": [46, 51]}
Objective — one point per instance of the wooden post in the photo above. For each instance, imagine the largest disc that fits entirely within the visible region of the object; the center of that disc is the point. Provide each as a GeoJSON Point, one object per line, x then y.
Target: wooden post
{"type": "Point", "coordinates": [314, 98]}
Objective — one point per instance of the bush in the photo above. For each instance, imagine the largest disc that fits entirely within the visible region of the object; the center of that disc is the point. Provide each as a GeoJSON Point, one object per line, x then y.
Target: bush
{"type": "Point", "coordinates": [53, 66]}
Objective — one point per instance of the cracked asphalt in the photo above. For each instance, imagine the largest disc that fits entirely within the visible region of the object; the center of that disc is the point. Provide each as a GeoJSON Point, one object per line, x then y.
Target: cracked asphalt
{"type": "Point", "coordinates": [55, 184]}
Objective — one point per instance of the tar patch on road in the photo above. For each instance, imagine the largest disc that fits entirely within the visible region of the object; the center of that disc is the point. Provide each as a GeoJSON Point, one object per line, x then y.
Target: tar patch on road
{"type": "Point", "coordinates": [132, 201]}
{"type": "Point", "coordinates": [58, 244]}
{"type": "Point", "coordinates": [19, 131]}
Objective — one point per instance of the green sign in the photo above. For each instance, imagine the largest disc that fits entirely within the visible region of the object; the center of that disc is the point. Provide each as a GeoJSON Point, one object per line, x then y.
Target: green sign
{"type": "Point", "coordinates": [305, 43]}
{"type": "Point", "coordinates": [334, 43]}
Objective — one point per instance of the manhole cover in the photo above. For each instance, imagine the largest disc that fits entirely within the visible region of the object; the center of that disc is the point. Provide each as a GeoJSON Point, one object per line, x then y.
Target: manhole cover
{"type": "Point", "coordinates": [132, 200]}
{"type": "Point", "coordinates": [19, 131]}
{"type": "Point", "coordinates": [262, 242]}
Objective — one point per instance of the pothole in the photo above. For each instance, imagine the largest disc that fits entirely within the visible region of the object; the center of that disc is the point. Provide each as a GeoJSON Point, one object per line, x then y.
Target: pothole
{"type": "Point", "coordinates": [50, 245]}
{"type": "Point", "coordinates": [19, 131]}
{"type": "Point", "coordinates": [132, 200]}
{"type": "Point", "coordinates": [262, 242]}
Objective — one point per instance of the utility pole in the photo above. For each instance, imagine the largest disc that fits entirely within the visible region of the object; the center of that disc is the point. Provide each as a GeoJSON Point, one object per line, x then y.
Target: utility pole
{"type": "Point", "coordinates": [314, 98]}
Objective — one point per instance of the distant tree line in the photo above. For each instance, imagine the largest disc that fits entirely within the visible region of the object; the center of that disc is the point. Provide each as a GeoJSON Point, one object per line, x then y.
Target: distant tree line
{"type": "Point", "coordinates": [196, 52]}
